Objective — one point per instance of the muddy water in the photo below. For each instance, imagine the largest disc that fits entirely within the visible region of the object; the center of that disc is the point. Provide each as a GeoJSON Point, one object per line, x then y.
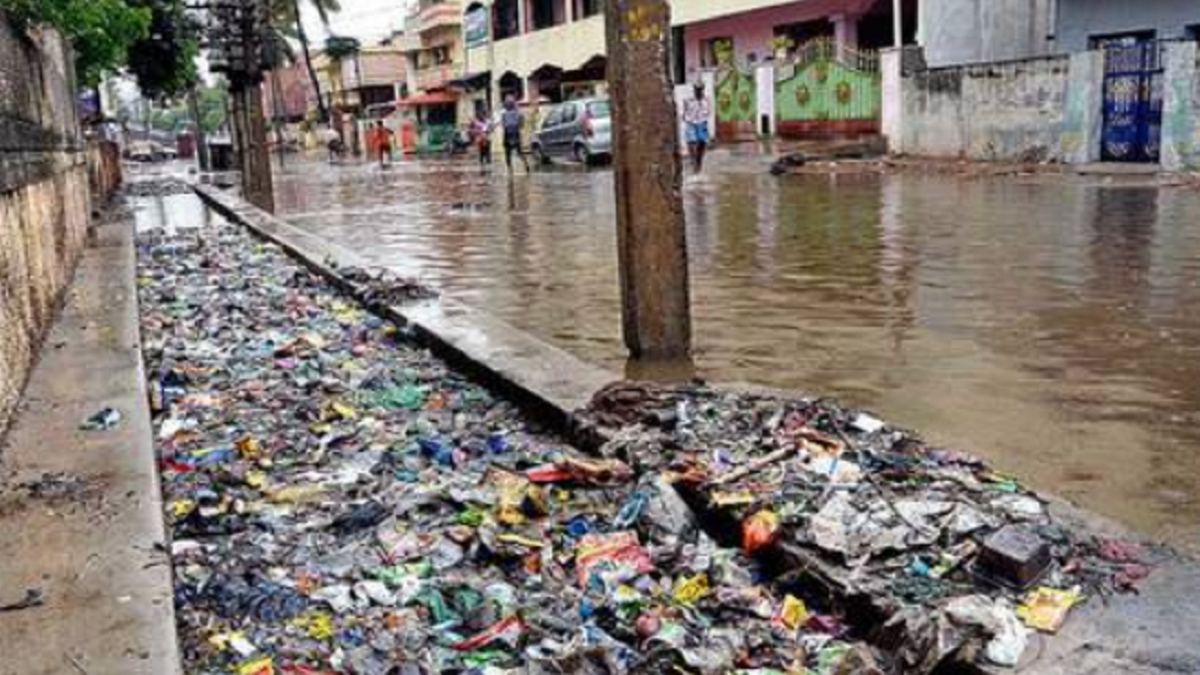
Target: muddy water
{"type": "Point", "coordinates": [1051, 326]}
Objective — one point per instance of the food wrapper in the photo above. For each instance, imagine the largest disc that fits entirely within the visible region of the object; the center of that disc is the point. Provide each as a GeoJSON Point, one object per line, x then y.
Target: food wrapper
{"type": "Point", "coordinates": [793, 614]}
{"type": "Point", "coordinates": [689, 591]}
{"type": "Point", "coordinates": [619, 550]}
{"type": "Point", "coordinates": [1046, 609]}
{"type": "Point", "coordinates": [508, 631]}
{"type": "Point", "coordinates": [759, 532]}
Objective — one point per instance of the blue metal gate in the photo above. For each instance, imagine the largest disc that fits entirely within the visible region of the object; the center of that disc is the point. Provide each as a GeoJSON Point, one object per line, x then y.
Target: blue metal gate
{"type": "Point", "coordinates": [1133, 95]}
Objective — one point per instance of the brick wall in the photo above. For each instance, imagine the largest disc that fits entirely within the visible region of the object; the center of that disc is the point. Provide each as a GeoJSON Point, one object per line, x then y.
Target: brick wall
{"type": "Point", "coordinates": [44, 196]}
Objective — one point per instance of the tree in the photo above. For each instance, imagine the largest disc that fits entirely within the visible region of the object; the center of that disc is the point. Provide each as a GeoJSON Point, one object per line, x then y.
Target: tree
{"type": "Point", "coordinates": [213, 104]}
{"type": "Point", "coordinates": [164, 62]}
{"type": "Point", "coordinates": [100, 31]}
{"type": "Point", "coordinates": [285, 15]}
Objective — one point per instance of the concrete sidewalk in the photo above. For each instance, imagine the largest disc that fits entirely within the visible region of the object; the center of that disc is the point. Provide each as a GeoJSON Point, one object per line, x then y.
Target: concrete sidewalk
{"type": "Point", "coordinates": [81, 511]}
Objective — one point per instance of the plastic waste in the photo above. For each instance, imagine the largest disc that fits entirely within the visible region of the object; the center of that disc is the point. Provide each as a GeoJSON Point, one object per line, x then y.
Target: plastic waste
{"type": "Point", "coordinates": [102, 420]}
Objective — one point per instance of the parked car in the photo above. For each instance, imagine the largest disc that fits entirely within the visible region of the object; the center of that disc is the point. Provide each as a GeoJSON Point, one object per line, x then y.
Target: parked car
{"type": "Point", "coordinates": [579, 130]}
{"type": "Point", "coordinates": [149, 151]}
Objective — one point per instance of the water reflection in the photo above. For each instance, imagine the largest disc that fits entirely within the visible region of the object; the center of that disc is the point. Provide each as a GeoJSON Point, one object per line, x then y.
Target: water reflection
{"type": "Point", "coordinates": [1049, 326]}
{"type": "Point", "coordinates": [169, 213]}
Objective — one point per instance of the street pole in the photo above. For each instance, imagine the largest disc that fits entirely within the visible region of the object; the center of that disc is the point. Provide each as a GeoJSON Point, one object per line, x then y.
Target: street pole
{"type": "Point", "coordinates": [651, 238]}
{"type": "Point", "coordinates": [897, 24]}
{"type": "Point", "coordinates": [276, 101]}
{"type": "Point", "coordinates": [245, 90]}
{"type": "Point", "coordinates": [251, 136]}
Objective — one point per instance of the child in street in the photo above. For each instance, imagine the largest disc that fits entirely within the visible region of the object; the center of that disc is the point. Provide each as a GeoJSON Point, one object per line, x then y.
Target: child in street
{"type": "Point", "coordinates": [481, 136]}
{"type": "Point", "coordinates": [381, 140]}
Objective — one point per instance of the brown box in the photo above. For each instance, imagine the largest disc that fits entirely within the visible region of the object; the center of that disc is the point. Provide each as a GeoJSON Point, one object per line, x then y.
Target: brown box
{"type": "Point", "coordinates": [1014, 557]}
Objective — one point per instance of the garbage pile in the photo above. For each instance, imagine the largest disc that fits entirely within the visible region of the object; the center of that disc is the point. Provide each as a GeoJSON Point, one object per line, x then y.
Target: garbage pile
{"type": "Point", "coordinates": [383, 287]}
{"type": "Point", "coordinates": [340, 501]}
{"type": "Point", "coordinates": [932, 554]}
{"type": "Point", "coordinates": [157, 187]}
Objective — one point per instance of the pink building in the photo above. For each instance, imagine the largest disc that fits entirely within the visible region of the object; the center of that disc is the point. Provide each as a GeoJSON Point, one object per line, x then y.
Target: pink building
{"type": "Point", "coordinates": [755, 36]}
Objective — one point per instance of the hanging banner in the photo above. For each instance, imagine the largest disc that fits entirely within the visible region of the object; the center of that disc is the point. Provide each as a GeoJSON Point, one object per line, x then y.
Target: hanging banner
{"type": "Point", "coordinates": [475, 27]}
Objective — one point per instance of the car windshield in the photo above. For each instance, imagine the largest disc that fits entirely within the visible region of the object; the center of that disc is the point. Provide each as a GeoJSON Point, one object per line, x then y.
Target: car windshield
{"type": "Point", "coordinates": [599, 109]}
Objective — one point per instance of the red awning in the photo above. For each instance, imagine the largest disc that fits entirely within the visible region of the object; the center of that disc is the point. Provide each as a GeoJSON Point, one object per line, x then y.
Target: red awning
{"type": "Point", "coordinates": [435, 98]}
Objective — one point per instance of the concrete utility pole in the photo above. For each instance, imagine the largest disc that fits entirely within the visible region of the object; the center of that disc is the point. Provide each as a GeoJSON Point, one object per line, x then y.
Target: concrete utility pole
{"type": "Point", "coordinates": [237, 49]}
{"type": "Point", "coordinates": [651, 238]}
{"type": "Point", "coordinates": [254, 156]}
{"type": "Point", "coordinates": [897, 24]}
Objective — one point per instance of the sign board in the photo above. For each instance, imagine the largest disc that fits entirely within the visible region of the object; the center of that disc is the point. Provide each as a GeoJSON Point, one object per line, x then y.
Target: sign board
{"type": "Point", "coordinates": [476, 27]}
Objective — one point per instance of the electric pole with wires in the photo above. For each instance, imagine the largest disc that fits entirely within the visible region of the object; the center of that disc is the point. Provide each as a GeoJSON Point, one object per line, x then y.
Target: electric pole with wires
{"type": "Point", "coordinates": [237, 44]}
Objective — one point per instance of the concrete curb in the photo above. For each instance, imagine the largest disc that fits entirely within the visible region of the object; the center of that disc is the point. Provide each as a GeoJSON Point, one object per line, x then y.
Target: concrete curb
{"type": "Point", "coordinates": [91, 537]}
{"type": "Point", "coordinates": [1130, 634]}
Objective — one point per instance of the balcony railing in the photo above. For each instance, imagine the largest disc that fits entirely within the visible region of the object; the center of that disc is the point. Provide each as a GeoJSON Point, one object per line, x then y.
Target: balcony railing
{"type": "Point", "coordinates": [440, 15]}
{"type": "Point", "coordinates": [437, 77]}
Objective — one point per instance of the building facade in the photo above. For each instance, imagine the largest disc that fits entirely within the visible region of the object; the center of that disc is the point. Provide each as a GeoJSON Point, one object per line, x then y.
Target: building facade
{"type": "Point", "coordinates": [547, 51]}
{"type": "Point", "coordinates": [433, 48]}
{"type": "Point", "coordinates": [1085, 24]}
{"type": "Point", "coordinates": [957, 32]}
{"type": "Point", "coordinates": [961, 32]}
{"type": "Point", "coordinates": [754, 32]}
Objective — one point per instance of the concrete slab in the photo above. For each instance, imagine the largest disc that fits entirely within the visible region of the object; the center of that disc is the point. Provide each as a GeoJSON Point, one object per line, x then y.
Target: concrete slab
{"type": "Point", "coordinates": [90, 539]}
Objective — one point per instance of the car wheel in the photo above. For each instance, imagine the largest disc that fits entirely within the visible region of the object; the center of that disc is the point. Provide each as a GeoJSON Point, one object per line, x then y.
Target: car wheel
{"type": "Point", "coordinates": [539, 155]}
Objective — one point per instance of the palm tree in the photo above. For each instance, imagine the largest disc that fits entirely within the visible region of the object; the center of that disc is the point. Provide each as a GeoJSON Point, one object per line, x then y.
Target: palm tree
{"type": "Point", "coordinates": [285, 15]}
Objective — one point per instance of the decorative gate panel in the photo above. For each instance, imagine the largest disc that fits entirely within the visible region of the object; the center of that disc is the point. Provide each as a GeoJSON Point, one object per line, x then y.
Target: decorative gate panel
{"type": "Point", "coordinates": [827, 90]}
{"type": "Point", "coordinates": [737, 104]}
{"type": "Point", "coordinates": [1133, 95]}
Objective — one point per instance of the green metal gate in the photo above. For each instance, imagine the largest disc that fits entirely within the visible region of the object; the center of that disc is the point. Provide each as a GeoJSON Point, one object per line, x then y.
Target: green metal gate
{"type": "Point", "coordinates": [737, 103]}
{"type": "Point", "coordinates": [828, 90]}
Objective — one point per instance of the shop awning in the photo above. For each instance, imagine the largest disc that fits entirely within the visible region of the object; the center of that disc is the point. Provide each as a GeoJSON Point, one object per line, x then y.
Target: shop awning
{"type": "Point", "coordinates": [472, 81]}
{"type": "Point", "coordinates": [432, 98]}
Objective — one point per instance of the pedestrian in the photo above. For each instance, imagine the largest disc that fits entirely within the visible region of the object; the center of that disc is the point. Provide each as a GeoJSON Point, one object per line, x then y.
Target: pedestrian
{"type": "Point", "coordinates": [481, 136]}
{"type": "Point", "coordinates": [511, 122]}
{"type": "Point", "coordinates": [696, 111]}
{"type": "Point", "coordinates": [333, 142]}
{"type": "Point", "coordinates": [381, 139]}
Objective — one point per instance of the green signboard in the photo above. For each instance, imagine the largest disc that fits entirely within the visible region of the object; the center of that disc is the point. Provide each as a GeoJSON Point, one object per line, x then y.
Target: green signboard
{"type": "Point", "coordinates": [475, 27]}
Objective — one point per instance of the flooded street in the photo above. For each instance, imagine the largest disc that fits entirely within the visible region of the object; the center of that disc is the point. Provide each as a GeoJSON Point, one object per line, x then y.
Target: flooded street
{"type": "Point", "coordinates": [1049, 325]}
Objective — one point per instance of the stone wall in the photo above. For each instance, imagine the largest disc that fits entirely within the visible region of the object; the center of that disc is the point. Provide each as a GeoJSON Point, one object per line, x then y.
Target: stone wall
{"type": "Point", "coordinates": [1181, 99]}
{"type": "Point", "coordinates": [1000, 111]}
{"type": "Point", "coordinates": [1048, 109]}
{"type": "Point", "coordinates": [44, 196]}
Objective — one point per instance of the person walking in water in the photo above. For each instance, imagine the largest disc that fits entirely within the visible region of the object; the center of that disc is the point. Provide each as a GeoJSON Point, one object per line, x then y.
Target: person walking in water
{"type": "Point", "coordinates": [511, 122]}
{"type": "Point", "coordinates": [381, 140]}
{"type": "Point", "coordinates": [481, 136]}
{"type": "Point", "coordinates": [696, 111]}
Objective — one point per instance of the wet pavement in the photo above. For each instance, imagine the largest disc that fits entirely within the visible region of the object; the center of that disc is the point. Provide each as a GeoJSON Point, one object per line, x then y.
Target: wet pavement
{"type": "Point", "coordinates": [1044, 323]}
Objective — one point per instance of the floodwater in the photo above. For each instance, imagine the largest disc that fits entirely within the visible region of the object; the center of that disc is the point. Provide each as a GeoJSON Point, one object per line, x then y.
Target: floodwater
{"type": "Point", "coordinates": [1050, 325]}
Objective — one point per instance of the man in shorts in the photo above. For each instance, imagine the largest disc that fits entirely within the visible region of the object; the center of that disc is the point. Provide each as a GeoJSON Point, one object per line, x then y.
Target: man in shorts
{"type": "Point", "coordinates": [696, 111]}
